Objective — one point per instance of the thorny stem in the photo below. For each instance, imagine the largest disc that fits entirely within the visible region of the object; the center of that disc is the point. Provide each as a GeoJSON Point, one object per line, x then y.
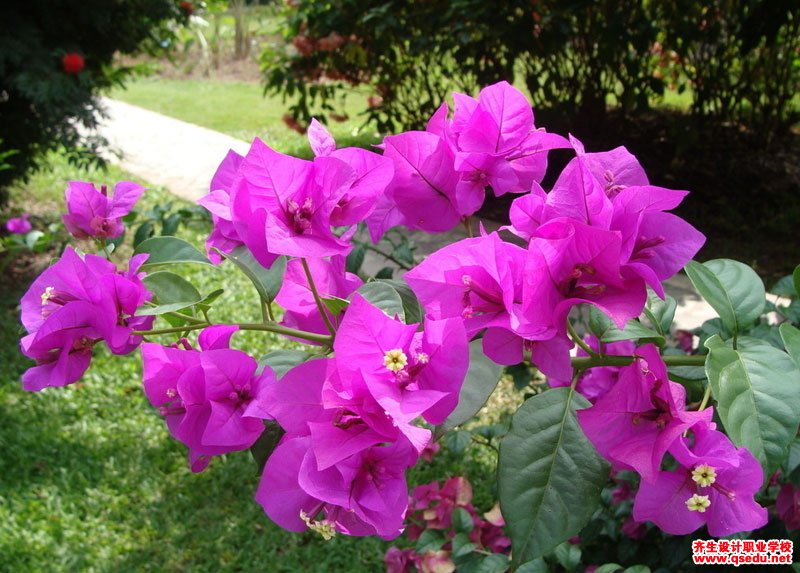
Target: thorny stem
{"type": "Point", "coordinates": [320, 305]}
{"type": "Point", "coordinates": [583, 362]}
{"type": "Point", "coordinates": [578, 340]}
{"type": "Point", "coordinates": [266, 327]}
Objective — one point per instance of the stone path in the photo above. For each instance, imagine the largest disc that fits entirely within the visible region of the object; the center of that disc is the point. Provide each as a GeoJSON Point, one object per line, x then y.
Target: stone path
{"type": "Point", "coordinates": [182, 157]}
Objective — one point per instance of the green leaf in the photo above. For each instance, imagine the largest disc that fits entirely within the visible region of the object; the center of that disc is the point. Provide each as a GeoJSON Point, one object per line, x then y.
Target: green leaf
{"type": "Point", "coordinates": [791, 341]}
{"type": "Point", "coordinates": [608, 568]}
{"type": "Point", "coordinates": [281, 361]}
{"type": "Point", "coordinates": [784, 287]}
{"type": "Point", "coordinates": [796, 275]}
{"type": "Point", "coordinates": [169, 250]}
{"type": "Point", "coordinates": [335, 304]}
{"type": "Point", "coordinates": [637, 569]}
{"type": "Point", "coordinates": [430, 540]}
{"type": "Point", "coordinates": [356, 258]}
{"type": "Point", "coordinates": [411, 307]}
{"type": "Point", "coordinates": [550, 476]}
{"type": "Point", "coordinates": [385, 273]}
{"type": "Point", "coordinates": [458, 441]}
{"type": "Point", "coordinates": [606, 331]}
{"type": "Point", "coordinates": [266, 443]}
{"type": "Point", "coordinates": [535, 566]}
{"type": "Point", "coordinates": [171, 292]}
{"type": "Point", "coordinates": [757, 389]}
{"type": "Point", "coordinates": [568, 555]}
{"type": "Point", "coordinates": [267, 281]}
{"type": "Point", "coordinates": [495, 563]}
{"type": "Point", "coordinates": [462, 546]}
{"type": "Point", "coordinates": [462, 520]}
{"type": "Point", "coordinates": [482, 377]}
{"type": "Point", "coordinates": [143, 232]}
{"type": "Point", "coordinates": [385, 297]}
{"type": "Point", "coordinates": [660, 312]}
{"type": "Point", "coordinates": [733, 289]}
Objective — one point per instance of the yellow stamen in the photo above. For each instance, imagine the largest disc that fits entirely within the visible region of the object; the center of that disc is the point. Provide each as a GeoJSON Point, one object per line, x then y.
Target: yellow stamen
{"type": "Point", "coordinates": [704, 475]}
{"type": "Point", "coordinates": [395, 360]}
{"type": "Point", "coordinates": [325, 528]}
{"type": "Point", "coordinates": [698, 503]}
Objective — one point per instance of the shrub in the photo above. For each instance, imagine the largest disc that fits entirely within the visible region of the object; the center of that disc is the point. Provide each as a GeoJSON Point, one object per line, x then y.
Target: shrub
{"type": "Point", "coordinates": [53, 63]}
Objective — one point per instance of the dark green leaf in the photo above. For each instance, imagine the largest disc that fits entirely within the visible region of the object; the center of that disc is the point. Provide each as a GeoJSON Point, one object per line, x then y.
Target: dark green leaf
{"type": "Point", "coordinates": [550, 476]}
{"type": "Point", "coordinates": [608, 568]}
{"type": "Point", "coordinates": [168, 250]}
{"type": "Point", "coordinates": [784, 287]}
{"type": "Point", "coordinates": [169, 226]}
{"type": "Point", "coordinates": [660, 312]}
{"type": "Point", "coordinates": [732, 288]}
{"type": "Point", "coordinates": [462, 546]}
{"type": "Point", "coordinates": [267, 281]}
{"type": "Point", "coordinates": [143, 232]}
{"type": "Point", "coordinates": [356, 258]}
{"type": "Point", "coordinates": [606, 331]}
{"type": "Point", "coordinates": [568, 555]}
{"type": "Point", "coordinates": [496, 563]}
{"type": "Point", "coordinates": [430, 540]}
{"type": "Point", "coordinates": [385, 297]}
{"type": "Point", "coordinates": [462, 520]}
{"type": "Point", "coordinates": [791, 341]}
{"type": "Point", "coordinates": [458, 441]}
{"type": "Point", "coordinates": [482, 377]}
{"type": "Point", "coordinates": [385, 273]}
{"type": "Point", "coordinates": [266, 443]}
{"type": "Point", "coordinates": [411, 307]}
{"type": "Point", "coordinates": [796, 276]}
{"type": "Point", "coordinates": [534, 566]}
{"type": "Point", "coordinates": [757, 389]}
{"type": "Point", "coordinates": [171, 293]}
{"type": "Point", "coordinates": [335, 304]}
{"type": "Point", "coordinates": [281, 361]}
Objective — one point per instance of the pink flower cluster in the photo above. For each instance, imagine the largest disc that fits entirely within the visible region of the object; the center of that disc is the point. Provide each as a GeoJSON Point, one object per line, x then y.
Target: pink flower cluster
{"type": "Point", "coordinates": [349, 425]}
{"type": "Point", "coordinates": [73, 305]}
{"type": "Point", "coordinates": [213, 399]}
{"type": "Point", "coordinates": [641, 418]}
{"type": "Point", "coordinates": [431, 507]}
{"type": "Point", "coordinates": [92, 213]}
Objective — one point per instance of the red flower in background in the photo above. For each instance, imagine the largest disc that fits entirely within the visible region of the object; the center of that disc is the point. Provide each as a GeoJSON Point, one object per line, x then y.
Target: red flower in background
{"type": "Point", "coordinates": [73, 63]}
{"type": "Point", "coordinates": [187, 8]}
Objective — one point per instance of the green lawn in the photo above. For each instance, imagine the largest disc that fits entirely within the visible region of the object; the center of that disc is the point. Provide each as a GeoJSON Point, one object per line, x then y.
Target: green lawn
{"type": "Point", "coordinates": [91, 481]}
{"type": "Point", "coordinates": [238, 109]}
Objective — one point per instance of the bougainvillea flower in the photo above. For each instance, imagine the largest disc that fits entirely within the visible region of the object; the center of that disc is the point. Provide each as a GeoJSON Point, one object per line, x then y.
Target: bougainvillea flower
{"type": "Point", "coordinates": [92, 213]}
{"type": "Point", "coordinates": [213, 400]}
{"type": "Point", "coordinates": [297, 300]}
{"type": "Point", "coordinates": [223, 236]}
{"type": "Point", "coordinates": [787, 505]}
{"type": "Point", "coordinates": [281, 205]}
{"type": "Point", "coordinates": [400, 365]}
{"type": "Point", "coordinates": [714, 485]}
{"type": "Point", "coordinates": [366, 494]}
{"type": "Point", "coordinates": [19, 225]}
{"type": "Point", "coordinates": [615, 169]}
{"type": "Point", "coordinates": [526, 213]}
{"type": "Point", "coordinates": [115, 296]}
{"type": "Point", "coordinates": [655, 245]}
{"type": "Point", "coordinates": [596, 382]}
{"type": "Point", "coordinates": [494, 139]}
{"type": "Point", "coordinates": [374, 173]}
{"type": "Point", "coordinates": [473, 279]}
{"type": "Point", "coordinates": [426, 187]}
{"type": "Point", "coordinates": [640, 417]}
{"type": "Point", "coordinates": [570, 263]}
{"type": "Point", "coordinates": [62, 347]}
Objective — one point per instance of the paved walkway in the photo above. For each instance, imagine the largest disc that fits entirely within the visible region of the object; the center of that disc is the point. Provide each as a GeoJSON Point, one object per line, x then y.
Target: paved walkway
{"type": "Point", "coordinates": [183, 157]}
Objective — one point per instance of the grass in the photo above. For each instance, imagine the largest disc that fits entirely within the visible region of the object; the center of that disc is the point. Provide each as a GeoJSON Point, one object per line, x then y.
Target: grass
{"type": "Point", "coordinates": [90, 479]}
{"type": "Point", "coordinates": [238, 109]}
